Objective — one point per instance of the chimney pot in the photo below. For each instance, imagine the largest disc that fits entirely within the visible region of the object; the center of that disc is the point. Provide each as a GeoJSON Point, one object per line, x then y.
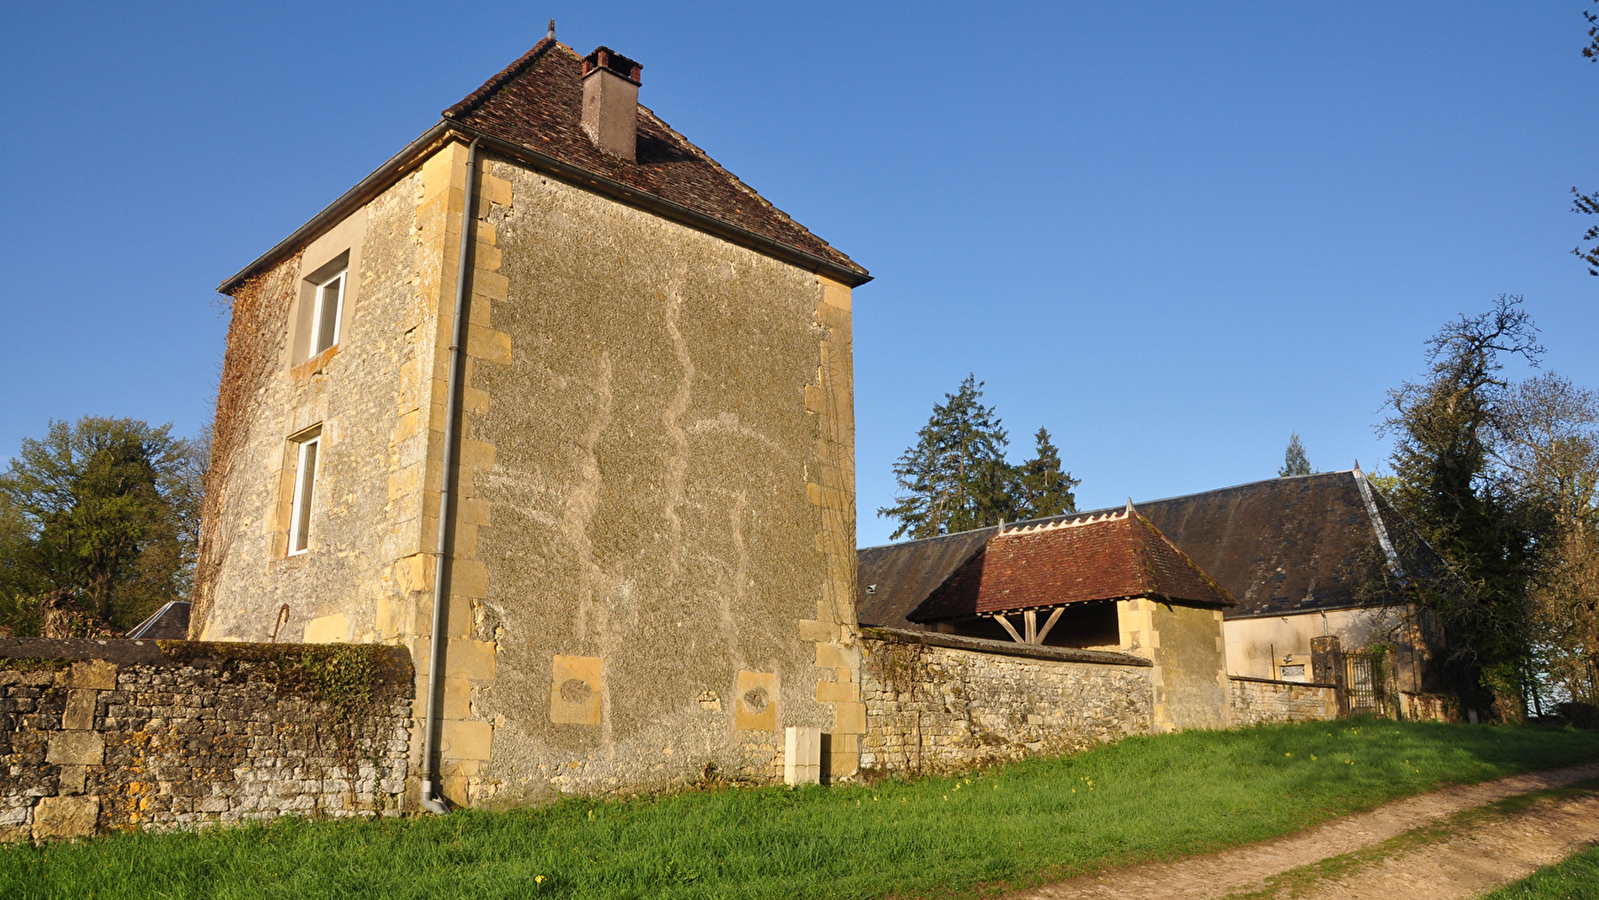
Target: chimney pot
{"type": "Point", "coordinates": [610, 102]}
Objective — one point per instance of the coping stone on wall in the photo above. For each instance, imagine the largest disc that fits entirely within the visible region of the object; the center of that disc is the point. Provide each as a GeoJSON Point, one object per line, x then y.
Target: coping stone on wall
{"type": "Point", "coordinates": [112, 650]}
{"type": "Point", "coordinates": [1253, 680]}
{"type": "Point", "coordinates": [1008, 648]}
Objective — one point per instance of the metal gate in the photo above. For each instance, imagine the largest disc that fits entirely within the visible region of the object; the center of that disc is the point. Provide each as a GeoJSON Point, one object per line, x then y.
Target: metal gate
{"type": "Point", "coordinates": [1360, 684]}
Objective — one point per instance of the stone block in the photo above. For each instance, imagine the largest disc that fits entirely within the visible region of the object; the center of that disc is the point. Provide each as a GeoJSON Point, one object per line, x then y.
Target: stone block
{"type": "Point", "coordinates": [491, 284]}
{"type": "Point", "coordinates": [93, 674]}
{"type": "Point", "coordinates": [494, 190]}
{"type": "Point", "coordinates": [834, 294]}
{"type": "Point", "coordinates": [332, 629]}
{"type": "Point", "coordinates": [475, 400]}
{"type": "Point", "coordinates": [487, 344]}
{"type": "Point", "coordinates": [833, 656]}
{"type": "Point", "coordinates": [755, 701]}
{"type": "Point", "coordinates": [471, 659]}
{"type": "Point", "coordinates": [76, 748]}
{"type": "Point", "coordinates": [575, 690]}
{"type": "Point", "coordinates": [457, 698]}
{"type": "Point", "coordinates": [851, 718]}
{"type": "Point", "coordinates": [72, 778]}
{"type": "Point", "coordinates": [486, 255]}
{"type": "Point", "coordinates": [814, 630]}
{"type": "Point", "coordinates": [802, 755]}
{"type": "Point", "coordinates": [79, 712]}
{"type": "Point", "coordinates": [473, 511]}
{"type": "Point", "coordinates": [469, 578]}
{"type": "Point", "coordinates": [837, 692]}
{"type": "Point", "coordinates": [476, 453]}
{"type": "Point", "coordinates": [65, 817]}
{"type": "Point", "coordinates": [466, 740]}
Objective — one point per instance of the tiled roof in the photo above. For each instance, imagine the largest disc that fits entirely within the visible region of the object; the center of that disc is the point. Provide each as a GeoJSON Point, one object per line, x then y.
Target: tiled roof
{"type": "Point", "coordinates": [1104, 557]}
{"type": "Point", "coordinates": [1281, 546]}
{"type": "Point", "coordinates": [537, 102]}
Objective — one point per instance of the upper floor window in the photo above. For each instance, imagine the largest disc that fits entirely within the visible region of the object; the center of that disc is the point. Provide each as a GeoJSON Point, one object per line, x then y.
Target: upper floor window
{"type": "Point", "coordinates": [329, 309]}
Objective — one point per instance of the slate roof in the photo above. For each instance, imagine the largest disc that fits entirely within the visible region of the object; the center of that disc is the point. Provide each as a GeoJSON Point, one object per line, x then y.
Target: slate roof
{"type": "Point", "coordinates": [1282, 546]}
{"type": "Point", "coordinates": [169, 623]}
{"type": "Point", "coordinates": [1112, 556]}
{"type": "Point", "coordinates": [537, 102]}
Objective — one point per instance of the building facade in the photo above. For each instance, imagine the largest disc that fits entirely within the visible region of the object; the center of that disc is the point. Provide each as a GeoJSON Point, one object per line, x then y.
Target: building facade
{"type": "Point", "coordinates": [643, 443]}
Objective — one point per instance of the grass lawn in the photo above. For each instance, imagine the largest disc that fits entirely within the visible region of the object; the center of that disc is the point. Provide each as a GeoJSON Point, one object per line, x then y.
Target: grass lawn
{"type": "Point", "coordinates": [1021, 824]}
{"type": "Point", "coordinates": [1575, 879]}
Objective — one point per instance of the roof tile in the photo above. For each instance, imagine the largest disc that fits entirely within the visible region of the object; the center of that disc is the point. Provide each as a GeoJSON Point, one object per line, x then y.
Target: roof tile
{"type": "Point", "coordinates": [537, 102]}
{"type": "Point", "coordinates": [1072, 561]}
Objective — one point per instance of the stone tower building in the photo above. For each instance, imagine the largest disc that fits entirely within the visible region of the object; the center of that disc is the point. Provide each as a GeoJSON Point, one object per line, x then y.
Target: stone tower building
{"type": "Point", "coordinates": [626, 379]}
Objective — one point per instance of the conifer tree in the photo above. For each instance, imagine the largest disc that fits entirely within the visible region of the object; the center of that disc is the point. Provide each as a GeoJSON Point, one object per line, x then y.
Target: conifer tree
{"type": "Point", "coordinates": [955, 477]}
{"type": "Point", "coordinates": [1042, 489]}
{"type": "Point", "coordinates": [1295, 462]}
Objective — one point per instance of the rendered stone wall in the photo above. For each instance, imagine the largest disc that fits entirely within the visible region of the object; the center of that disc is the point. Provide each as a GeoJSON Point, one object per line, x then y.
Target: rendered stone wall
{"type": "Point", "coordinates": [197, 734]}
{"type": "Point", "coordinates": [941, 709]}
{"type": "Point", "coordinates": [662, 504]}
{"type": "Point", "coordinates": [1256, 701]}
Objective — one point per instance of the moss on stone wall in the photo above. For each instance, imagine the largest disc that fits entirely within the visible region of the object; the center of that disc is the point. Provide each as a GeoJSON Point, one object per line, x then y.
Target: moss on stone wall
{"type": "Point", "coordinates": [33, 664]}
{"type": "Point", "coordinates": [347, 677]}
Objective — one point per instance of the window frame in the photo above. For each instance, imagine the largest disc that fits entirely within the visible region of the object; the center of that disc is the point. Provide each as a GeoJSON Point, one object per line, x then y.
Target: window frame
{"type": "Point", "coordinates": [319, 314]}
{"type": "Point", "coordinates": [304, 494]}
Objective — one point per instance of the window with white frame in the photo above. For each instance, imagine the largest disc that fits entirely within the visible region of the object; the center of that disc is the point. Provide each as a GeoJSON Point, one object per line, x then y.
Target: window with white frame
{"type": "Point", "coordinates": [304, 492]}
{"type": "Point", "coordinates": [329, 306]}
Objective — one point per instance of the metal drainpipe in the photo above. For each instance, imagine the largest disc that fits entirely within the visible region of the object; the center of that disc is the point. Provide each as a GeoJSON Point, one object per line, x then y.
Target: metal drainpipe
{"type": "Point", "coordinates": [441, 597]}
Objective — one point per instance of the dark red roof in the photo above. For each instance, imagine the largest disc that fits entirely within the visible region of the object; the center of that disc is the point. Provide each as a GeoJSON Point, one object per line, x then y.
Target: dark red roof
{"type": "Point", "coordinates": [1107, 557]}
{"type": "Point", "coordinates": [537, 102]}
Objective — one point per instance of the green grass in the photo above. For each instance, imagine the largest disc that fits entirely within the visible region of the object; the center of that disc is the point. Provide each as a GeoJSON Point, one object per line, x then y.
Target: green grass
{"type": "Point", "coordinates": [1145, 798]}
{"type": "Point", "coordinates": [1575, 879]}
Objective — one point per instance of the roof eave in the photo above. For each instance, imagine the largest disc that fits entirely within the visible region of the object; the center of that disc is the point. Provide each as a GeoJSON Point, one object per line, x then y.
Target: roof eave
{"type": "Point", "coordinates": [367, 188]}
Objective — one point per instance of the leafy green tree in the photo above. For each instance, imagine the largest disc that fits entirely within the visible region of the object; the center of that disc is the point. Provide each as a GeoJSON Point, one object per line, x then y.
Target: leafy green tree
{"type": "Point", "coordinates": [105, 509]}
{"type": "Point", "coordinates": [1547, 450]}
{"type": "Point", "coordinates": [1295, 462]}
{"type": "Point", "coordinates": [1445, 427]}
{"type": "Point", "coordinates": [1041, 487]}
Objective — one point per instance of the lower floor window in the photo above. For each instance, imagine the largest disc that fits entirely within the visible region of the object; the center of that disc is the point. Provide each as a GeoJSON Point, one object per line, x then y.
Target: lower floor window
{"type": "Point", "coordinates": [304, 491]}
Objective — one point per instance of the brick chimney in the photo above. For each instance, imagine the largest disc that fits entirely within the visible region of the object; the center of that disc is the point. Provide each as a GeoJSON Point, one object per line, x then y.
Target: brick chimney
{"type": "Point", "coordinates": [610, 102]}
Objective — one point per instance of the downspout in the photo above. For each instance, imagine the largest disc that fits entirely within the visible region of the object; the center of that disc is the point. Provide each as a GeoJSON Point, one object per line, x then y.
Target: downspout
{"type": "Point", "coordinates": [441, 598]}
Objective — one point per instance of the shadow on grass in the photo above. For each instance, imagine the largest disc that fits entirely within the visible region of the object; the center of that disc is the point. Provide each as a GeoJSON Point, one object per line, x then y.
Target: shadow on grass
{"type": "Point", "coordinates": [1033, 821]}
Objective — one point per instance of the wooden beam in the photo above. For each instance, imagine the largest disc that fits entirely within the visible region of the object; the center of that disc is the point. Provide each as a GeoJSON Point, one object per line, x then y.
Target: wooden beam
{"type": "Point", "coordinates": [1053, 618]}
{"type": "Point", "coordinates": [1009, 627]}
{"type": "Point", "coordinates": [1030, 622]}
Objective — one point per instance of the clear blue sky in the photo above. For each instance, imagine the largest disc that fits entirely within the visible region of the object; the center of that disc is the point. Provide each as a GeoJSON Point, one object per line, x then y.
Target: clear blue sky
{"type": "Point", "coordinates": [1168, 232]}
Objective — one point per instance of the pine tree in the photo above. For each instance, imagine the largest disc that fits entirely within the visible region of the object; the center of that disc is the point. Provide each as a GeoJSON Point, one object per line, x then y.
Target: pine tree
{"type": "Point", "coordinates": [1294, 460]}
{"type": "Point", "coordinates": [955, 477]}
{"type": "Point", "coordinates": [1042, 489]}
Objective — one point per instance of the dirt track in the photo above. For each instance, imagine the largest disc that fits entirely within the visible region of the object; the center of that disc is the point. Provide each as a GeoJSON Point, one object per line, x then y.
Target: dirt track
{"type": "Point", "coordinates": [1468, 863]}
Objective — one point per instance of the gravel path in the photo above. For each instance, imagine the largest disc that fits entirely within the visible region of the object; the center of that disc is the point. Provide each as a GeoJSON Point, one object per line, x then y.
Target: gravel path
{"type": "Point", "coordinates": [1503, 850]}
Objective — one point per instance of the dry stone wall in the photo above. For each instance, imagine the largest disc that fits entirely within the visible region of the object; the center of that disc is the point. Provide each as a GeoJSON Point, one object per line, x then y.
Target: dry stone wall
{"type": "Point", "coordinates": [942, 703]}
{"type": "Point", "coordinates": [1258, 701]}
{"type": "Point", "coordinates": [188, 734]}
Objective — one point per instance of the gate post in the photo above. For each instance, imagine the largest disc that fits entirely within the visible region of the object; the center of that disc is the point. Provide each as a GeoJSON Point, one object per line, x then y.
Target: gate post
{"type": "Point", "coordinates": [1327, 667]}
